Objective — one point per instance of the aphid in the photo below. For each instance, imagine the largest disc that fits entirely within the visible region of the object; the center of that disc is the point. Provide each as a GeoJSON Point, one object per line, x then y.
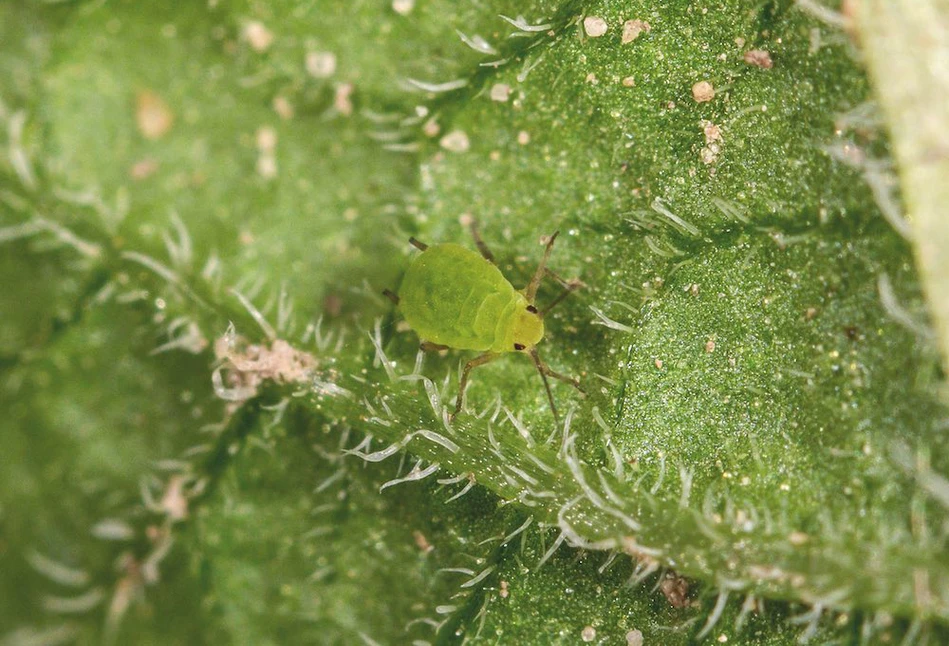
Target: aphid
{"type": "Point", "coordinates": [455, 298]}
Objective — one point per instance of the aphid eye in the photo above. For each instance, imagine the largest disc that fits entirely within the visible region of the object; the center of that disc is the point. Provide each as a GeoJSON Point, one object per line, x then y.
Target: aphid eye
{"type": "Point", "coordinates": [519, 347]}
{"type": "Point", "coordinates": [532, 309]}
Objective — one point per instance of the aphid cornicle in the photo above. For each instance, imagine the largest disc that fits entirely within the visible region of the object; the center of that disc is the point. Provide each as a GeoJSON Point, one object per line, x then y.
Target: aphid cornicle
{"type": "Point", "coordinates": [457, 298]}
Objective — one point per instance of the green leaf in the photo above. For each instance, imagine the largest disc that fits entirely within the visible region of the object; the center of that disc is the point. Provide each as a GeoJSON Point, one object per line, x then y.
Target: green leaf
{"type": "Point", "coordinates": [204, 203]}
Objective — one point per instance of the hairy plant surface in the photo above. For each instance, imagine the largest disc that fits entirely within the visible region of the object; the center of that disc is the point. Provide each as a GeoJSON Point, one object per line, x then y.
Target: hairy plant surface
{"type": "Point", "coordinates": [217, 430]}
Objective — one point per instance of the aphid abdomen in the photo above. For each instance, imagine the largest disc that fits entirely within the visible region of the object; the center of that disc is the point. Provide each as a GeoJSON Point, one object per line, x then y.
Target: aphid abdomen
{"type": "Point", "coordinates": [450, 295]}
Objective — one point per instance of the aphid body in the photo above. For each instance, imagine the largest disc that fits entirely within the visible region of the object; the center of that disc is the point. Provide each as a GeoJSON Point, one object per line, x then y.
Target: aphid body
{"type": "Point", "coordinates": [454, 297]}
{"type": "Point", "coordinates": [457, 298]}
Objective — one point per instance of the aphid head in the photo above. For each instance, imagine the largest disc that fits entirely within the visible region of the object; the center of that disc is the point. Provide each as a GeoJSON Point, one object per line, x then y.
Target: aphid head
{"type": "Point", "coordinates": [528, 329]}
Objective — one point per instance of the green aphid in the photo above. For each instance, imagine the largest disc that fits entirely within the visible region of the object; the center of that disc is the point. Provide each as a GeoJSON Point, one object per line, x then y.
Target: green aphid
{"type": "Point", "coordinates": [456, 298]}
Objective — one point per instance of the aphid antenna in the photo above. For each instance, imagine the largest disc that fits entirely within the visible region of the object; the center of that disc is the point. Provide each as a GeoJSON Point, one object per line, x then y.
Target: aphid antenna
{"type": "Point", "coordinates": [543, 375]}
{"type": "Point", "coordinates": [564, 294]}
{"type": "Point", "coordinates": [530, 292]}
{"type": "Point", "coordinates": [421, 246]}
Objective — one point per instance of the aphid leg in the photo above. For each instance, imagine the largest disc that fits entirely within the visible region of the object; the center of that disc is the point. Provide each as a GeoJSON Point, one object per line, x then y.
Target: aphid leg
{"type": "Point", "coordinates": [545, 370]}
{"type": "Point", "coordinates": [569, 287]}
{"type": "Point", "coordinates": [550, 395]}
{"type": "Point", "coordinates": [482, 247]}
{"type": "Point", "coordinates": [391, 296]}
{"type": "Point", "coordinates": [531, 290]}
{"type": "Point", "coordinates": [487, 357]}
{"type": "Point", "coordinates": [421, 246]}
{"type": "Point", "coordinates": [428, 346]}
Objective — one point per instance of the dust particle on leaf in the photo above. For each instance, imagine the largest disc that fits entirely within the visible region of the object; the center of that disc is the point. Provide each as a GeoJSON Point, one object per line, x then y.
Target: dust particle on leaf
{"type": "Point", "coordinates": [500, 92]}
{"type": "Point", "coordinates": [283, 107]}
{"type": "Point", "coordinates": [249, 366]}
{"type": "Point", "coordinates": [711, 131]}
{"type": "Point", "coordinates": [174, 502]}
{"type": "Point", "coordinates": [342, 101]}
{"type": "Point", "coordinates": [431, 128]}
{"type": "Point", "coordinates": [710, 346]}
{"type": "Point", "coordinates": [421, 542]}
{"type": "Point", "coordinates": [504, 589]}
{"type": "Point", "coordinates": [267, 166]}
{"type": "Point", "coordinates": [709, 154]}
{"type": "Point", "coordinates": [703, 92]}
{"type": "Point", "coordinates": [143, 169]}
{"type": "Point", "coordinates": [798, 538]}
{"type": "Point", "coordinates": [266, 138]}
{"type": "Point", "coordinates": [403, 7]}
{"type": "Point", "coordinates": [523, 137]}
{"type": "Point", "coordinates": [634, 638]}
{"type": "Point", "coordinates": [759, 58]}
{"type": "Point", "coordinates": [456, 141]}
{"type": "Point", "coordinates": [258, 36]}
{"type": "Point", "coordinates": [594, 26]}
{"type": "Point", "coordinates": [629, 81]}
{"type": "Point", "coordinates": [152, 114]}
{"type": "Point", "coordinates": [633, 28]}
{"type": "Point", "coordinates": [588, 634]}
{"type": "Point", "coordinates": [320, 65]}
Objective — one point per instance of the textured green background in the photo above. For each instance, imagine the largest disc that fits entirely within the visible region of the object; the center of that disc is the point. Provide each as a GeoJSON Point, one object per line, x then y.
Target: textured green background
{"type": "Point", "coordinates": [764, 414]}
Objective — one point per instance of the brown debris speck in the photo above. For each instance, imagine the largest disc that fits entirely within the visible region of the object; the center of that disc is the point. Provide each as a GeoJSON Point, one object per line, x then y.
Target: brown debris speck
{"type": "Point", "coordinates": [174, 502]}
{"type": "Point", "coordinates": [431, 128]}
{"type": "Point", "coordinates": [633, 28]}
{"type": "Point", "coordinates": [244, 367]}
{"type": "Point", "coordinates": [712, 132]}
{"type": "Point", "coordinates": [798, 538]}
{"type": "Point", "coordinates": [152, 114]}
{"type": "Point", "coordinates": [343, 101]}
{"type": "Point", "coordinates": [500, 92]}
{"type": "Point", "coordinates": [283, 107]}
{"type": "Point", "coordinates": [456, 141]}
{"type": "Point", "coordinates": [759, 58]}
{"type": "Point", "coordinates": [266, 138]}
{"type": "Point", "coordinates": [421, 542]}
{"type": "Point", "coordinates": [676, 590]}
{"type": "Point", "coordinates": [703, 92]}
{"type": "Point", "coordinates": [143, 169]}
